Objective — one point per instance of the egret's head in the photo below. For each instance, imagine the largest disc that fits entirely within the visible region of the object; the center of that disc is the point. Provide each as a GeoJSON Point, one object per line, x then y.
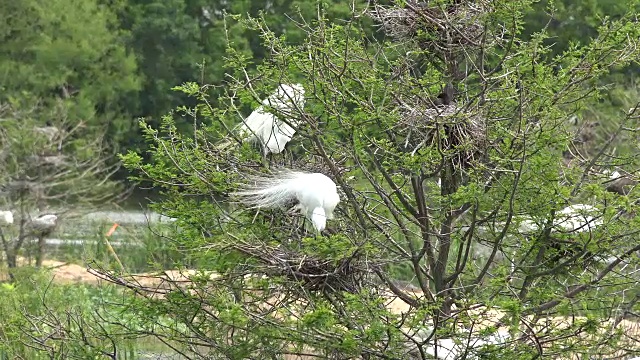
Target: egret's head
{"type": "Point", "coordinates": [319, 219]}
{"type": "Point", "coordinates": [330, 204]}
{"type": "Point", "coordinates": [292, 91]}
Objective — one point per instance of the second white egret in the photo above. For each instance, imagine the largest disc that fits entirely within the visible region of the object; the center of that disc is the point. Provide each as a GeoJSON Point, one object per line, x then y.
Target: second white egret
{"type": "Point", "coordinates": [266, 128]}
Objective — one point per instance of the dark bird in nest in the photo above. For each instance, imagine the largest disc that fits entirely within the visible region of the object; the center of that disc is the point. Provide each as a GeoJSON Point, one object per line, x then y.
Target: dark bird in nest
{"type": "Point", "coordinates": [618, 183]}
{"type": "Point", "coordinates": [445, 97]}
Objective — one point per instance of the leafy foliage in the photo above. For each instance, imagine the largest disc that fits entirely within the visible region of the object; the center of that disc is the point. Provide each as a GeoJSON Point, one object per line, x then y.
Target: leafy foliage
{"type": "Point", "coordinates": [483, 112]}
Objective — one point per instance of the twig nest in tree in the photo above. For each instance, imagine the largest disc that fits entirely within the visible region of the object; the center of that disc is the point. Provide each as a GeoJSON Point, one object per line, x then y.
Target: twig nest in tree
{"type": "Point", "coordinates": [461, 136]}
{"type": "Point", "coordinates": [44, 224]}
{"type": "Point", "coordinates": [54, 160]}
{"type": "Point", "coordinates": [50, 132]}
{"type": "Point", "coordinates": [314, 273]}
{"type": "Point", "coordinates": [438, 27]}
{"type": "Point", "coordinates": [6, 217]}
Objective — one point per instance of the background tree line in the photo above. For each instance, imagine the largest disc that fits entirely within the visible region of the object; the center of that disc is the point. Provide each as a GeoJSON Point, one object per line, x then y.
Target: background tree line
{"type": "Point", "coordinates": [113, 61]}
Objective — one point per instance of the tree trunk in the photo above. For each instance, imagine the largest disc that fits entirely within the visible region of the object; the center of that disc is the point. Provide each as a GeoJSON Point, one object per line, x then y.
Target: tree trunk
{"type": "Point", "coordinates": [40, 251]}
{"type": "Point", "coordinates": [12, 262]}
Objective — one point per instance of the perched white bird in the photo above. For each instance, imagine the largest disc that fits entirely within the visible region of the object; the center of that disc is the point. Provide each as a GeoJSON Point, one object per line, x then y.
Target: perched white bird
{"type": "Point", "coordinates": [6, 217]}
{"type": "Point", "coordinates": [572, 219]}
{"type": "Point", "coordinates": [618, 183]}
{"type": "Point", "coordinates": [266, 128]}
{"type": "Point", "coordinates": [578, 218]}
{"type": "Point", "coordinates": [317, 194]}
{"type": "Point", "coordinates": [44, 224]}
{"type": "Point", "coordinates": [448, 349]}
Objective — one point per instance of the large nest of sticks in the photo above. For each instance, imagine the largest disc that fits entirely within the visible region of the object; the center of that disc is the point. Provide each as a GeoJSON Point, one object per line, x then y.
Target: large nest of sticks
{"type": "Point", "coordinates": [442, 28]}
{"type": "Point", "coordinates": [460, 135]}
{"type": "Point", "coordinates": [314, 273]}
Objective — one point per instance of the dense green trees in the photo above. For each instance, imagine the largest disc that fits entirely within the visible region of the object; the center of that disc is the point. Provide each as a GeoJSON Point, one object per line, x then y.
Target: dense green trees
{"type": "Point", "coordinates": [116, 61]}
{"type": "Point", "coordinates": [56, 51]}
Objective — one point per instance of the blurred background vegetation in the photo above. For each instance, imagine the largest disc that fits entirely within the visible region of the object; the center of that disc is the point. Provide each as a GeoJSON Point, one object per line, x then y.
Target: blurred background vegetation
{"type": "Point", "coordinates": [114, 61]}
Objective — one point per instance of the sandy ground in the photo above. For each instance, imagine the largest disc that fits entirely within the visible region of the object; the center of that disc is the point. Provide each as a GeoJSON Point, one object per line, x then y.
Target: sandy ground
{"type": "Point", "coordinates": [69, 273]}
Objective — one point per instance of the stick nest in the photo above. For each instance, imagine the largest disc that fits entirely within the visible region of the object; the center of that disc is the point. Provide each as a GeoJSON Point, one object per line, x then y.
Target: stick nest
{"type": "Point", "coordinates": [460, 135]}
{"type": "Point", "coordinates": [447, 28]}
{"type": "Point", "coordinates": [314, 273]}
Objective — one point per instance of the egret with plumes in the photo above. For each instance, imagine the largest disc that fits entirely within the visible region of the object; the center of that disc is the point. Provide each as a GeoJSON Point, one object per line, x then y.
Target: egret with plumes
{"type": "Point", "coordinates": [266, 128]}
{"type": "Point", "coordinates": [6, 218]}
{"type": "Point", "coordinates": [316, 194]}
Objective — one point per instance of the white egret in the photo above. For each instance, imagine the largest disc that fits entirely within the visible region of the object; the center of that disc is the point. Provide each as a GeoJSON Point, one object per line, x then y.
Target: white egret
{"type": "Point", "coordinates": [577, 218]}
{"type": "Point", "coordinates": [574, 218]}
{"type": "Point", "coordinates": [6, 217]}
{"type": "Point", "coordinates": [266, 128]}
{"type": "Point", "coordinates": [468, 344]}
{"type": "Point", "coordinates": [317, 194]}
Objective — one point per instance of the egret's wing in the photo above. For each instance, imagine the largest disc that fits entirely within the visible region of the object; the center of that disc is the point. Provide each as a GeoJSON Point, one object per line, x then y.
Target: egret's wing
{"type": "Point", "coordinates": [265, 127]}
{"type": "Point", "coordinates": [258, 125]}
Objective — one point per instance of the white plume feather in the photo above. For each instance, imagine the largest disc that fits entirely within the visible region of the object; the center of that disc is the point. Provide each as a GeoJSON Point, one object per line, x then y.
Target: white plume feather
{"type": "Point", "coordinates": [317, 194]}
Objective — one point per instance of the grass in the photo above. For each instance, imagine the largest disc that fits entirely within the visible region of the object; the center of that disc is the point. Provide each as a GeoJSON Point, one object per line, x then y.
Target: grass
{"type": "Point", "coordinates": [34, 310]}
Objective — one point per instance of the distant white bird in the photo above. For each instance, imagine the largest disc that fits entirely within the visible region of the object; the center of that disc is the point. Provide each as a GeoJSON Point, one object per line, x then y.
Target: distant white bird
{"type": "Point", "coordinates": [572, 219]}
{"type": "Point", "coordinates": [6, 217]}
{"type": "Point", "coordinates": [317, 194]}
{"type": "Point", "coordinates": [578, 218]}
{"type": "Point", "coordinates": [448, 349]}
{"type": "Point", "coordinates": [44, 224]}
{"type": "Point", "coordinates": [618, 183]}
{"type": "Point", "coordinates": [266, 128]}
